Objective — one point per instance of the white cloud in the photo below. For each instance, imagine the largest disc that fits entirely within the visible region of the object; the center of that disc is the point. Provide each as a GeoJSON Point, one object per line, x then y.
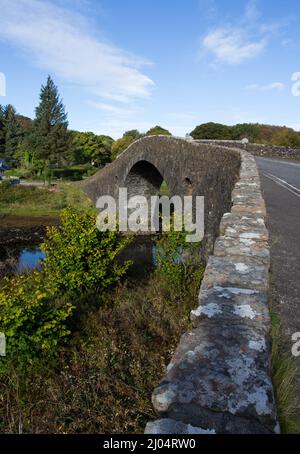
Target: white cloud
{"type": "Point", "coordinates": [275, 27]}
{"type": "Point", "coordinates": [111, 109]}
{"type": "Point", "coordinates": [279, 86]}
{"type": "Point", "coordinates": [241, 39]}
{"type": "Point", "coordinates": [62, 42]}
{"type": "Point", "coordinates": [232, 45]}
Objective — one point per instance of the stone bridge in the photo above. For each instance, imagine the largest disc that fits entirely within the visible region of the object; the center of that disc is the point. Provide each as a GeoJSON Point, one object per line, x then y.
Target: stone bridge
{"type": "Point", "coordinates": [219, 379]}
{"type": "Point", "coordinates": [188, 169]}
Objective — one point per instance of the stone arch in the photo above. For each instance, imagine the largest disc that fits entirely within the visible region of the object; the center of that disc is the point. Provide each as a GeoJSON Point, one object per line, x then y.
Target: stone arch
{"type": "Point", "coordinates": [143, 179]}
{"type": "Point", "coordinates": [188, 186]}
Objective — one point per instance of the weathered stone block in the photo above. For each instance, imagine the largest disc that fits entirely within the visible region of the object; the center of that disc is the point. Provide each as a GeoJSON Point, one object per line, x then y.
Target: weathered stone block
{"type": "Point", "coordinates": [236, 272]}
{"type": "Point", "coordinates": [249, 209]}
{"type": "Point", "coordinates": [170, 426]}
{"type": "Point", "coordinates": [241, 193]}
{"type": "Point", "coordinates": [239, 247]}
{"type": "Point", "coordinates": [233, 304]}
{"type": "Point", "coordinates": [240, 222]}
{"type": "Point", "coordinates": [243, 229]}
{"type": "Point", "coordinates": [219, 373]}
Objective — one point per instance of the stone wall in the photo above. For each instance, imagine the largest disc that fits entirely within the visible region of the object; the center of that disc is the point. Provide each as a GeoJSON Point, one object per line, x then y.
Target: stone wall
{"type": "Point", "coordinates": [261, 150]}
{"type": "Point", "coordinates": [219, 379]}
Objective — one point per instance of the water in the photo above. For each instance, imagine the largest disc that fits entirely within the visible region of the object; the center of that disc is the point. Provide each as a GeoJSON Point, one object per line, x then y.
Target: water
{"type": "Point", "coordinates": [21, 258]}
{"type": "Point", "coordinates": [20, 237]}
{"type": "Point", "coordinates": [29, 259]}
{"type": "Point", "coordinates": [142, 252]}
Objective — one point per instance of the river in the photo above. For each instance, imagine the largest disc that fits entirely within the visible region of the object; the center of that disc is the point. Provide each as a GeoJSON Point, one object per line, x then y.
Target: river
{"type": "Point", "coordinates": [20, 251]}
{"type": "Point", "coordinates": [20, 237]}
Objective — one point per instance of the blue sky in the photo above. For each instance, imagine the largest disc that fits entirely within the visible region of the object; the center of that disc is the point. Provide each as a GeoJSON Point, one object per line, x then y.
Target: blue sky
{"type": "Point", "coordinates": [126, 64]}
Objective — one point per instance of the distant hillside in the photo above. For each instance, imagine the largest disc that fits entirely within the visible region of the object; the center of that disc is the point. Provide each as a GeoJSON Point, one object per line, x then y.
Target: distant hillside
{"type": "Point", "coordinates": [255, 132]}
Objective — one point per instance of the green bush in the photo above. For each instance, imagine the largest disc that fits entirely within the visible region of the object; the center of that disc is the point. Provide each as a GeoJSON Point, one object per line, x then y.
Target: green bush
{"type": "Point", "coordinates": [19, 173]}
{"type": "Point", "coordinates": [158, 131]}
{"type": "Point", "coordinates": [31, 317]}
{"type": "Point", "coordinates": [213, 131]}
{"type": "Point", "coordinates": [79, 257]}
{"type": "Point", "coordinates": [36, 308]}
{"type": "Point", "coordinates": [178, 263]}
{"type": "Point", "coordinates": [4, 187]}
{"type": "Point", "coordinates": [102, 381]}
{"type": "Point", "coordinates": [121, 145]}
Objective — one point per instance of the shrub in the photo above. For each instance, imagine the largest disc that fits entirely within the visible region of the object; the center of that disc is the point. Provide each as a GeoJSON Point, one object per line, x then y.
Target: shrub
{"type": "Point", "coordinates": [19, 173]}
{"type": "Point", "coordinates": [79, 257]}
{"type": "Point", "coordinates": [213, 131]}
{"type": "Point", "coordinates": [103, 381]}
{"type": "Point", "coordinates": [35, 308]}
{"type": "Point", "coordinates": [4, 187]}
{"type": "Point", "coordinates": [179, 263]}
{"type": "Point", "coordinates": [158, 131]}
{"type": "Point", "coordinates": [32, 319]}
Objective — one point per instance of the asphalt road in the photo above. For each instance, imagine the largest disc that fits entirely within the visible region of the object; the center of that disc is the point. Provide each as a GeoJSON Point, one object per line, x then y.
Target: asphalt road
{"type": "Point", "coordinates": [281, 189]}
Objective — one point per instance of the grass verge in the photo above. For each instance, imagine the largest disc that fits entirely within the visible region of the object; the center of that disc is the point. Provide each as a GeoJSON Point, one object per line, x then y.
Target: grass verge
{"type": "Point", "coordinates": [33, 201]}
{"type": "Point", "coordinates": [103, 381]}
{"type": "Point", "coordinates": [286, 379]}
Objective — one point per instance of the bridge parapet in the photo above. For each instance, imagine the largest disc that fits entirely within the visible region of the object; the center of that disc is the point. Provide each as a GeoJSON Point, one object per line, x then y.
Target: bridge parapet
{"type": "Point", "coordinates": [219, 379]}
{"type": "Point", "coordinates": [260, 150]}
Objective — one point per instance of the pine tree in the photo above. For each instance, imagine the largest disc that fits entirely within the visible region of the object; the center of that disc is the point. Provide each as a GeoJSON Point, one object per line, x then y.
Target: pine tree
{"type": "Point", "coordinates": [2, 131]}
{"type": "Point", "coordinates": [12, 130]}
{"type": "Point", "coordinates": [50, 136]}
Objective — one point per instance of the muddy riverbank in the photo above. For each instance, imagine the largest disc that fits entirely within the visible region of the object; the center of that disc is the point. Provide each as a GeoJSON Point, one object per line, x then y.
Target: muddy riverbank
{"type": "Point", "coordinates": [24, 230]}
{"type": "Point", "coordinates": [20, 237]}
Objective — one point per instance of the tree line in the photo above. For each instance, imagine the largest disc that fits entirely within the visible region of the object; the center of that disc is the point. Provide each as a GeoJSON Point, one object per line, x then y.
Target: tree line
{"type": "Point", "coordinates": [254, 132]}
{"type": "Point", "coordinates": [45, 143]}
{"type": "Point", "coordinates": [38, 147]}
{"type": "Point", "coordinates": [131, 136]}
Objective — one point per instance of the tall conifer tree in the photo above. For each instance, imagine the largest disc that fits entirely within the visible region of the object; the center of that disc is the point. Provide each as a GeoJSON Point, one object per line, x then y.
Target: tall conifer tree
{"type": "Point", "coordinates": [2, 131]}
{"type": "Point", "coordinates": [51, 138]}
{"type": "Point", "coordinates": [12, 130]}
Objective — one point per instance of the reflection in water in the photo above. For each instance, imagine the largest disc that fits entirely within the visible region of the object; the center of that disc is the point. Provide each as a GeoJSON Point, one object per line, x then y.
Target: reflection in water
{"type": "Point", "coordinates": [142, 252]}
{"type": "Point", "coordinates": [29, 259]}
{"type": "Point", "coordinates": [19, 258]}
{"type": "Point", "coordinates": [157, 251]}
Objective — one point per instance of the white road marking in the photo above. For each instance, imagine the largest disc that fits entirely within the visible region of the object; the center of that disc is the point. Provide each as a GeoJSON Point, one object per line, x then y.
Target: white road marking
{"type": "Point", "coordinates": [280, 161]}
{"type": "Point", "coordinates": [284, 184]}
